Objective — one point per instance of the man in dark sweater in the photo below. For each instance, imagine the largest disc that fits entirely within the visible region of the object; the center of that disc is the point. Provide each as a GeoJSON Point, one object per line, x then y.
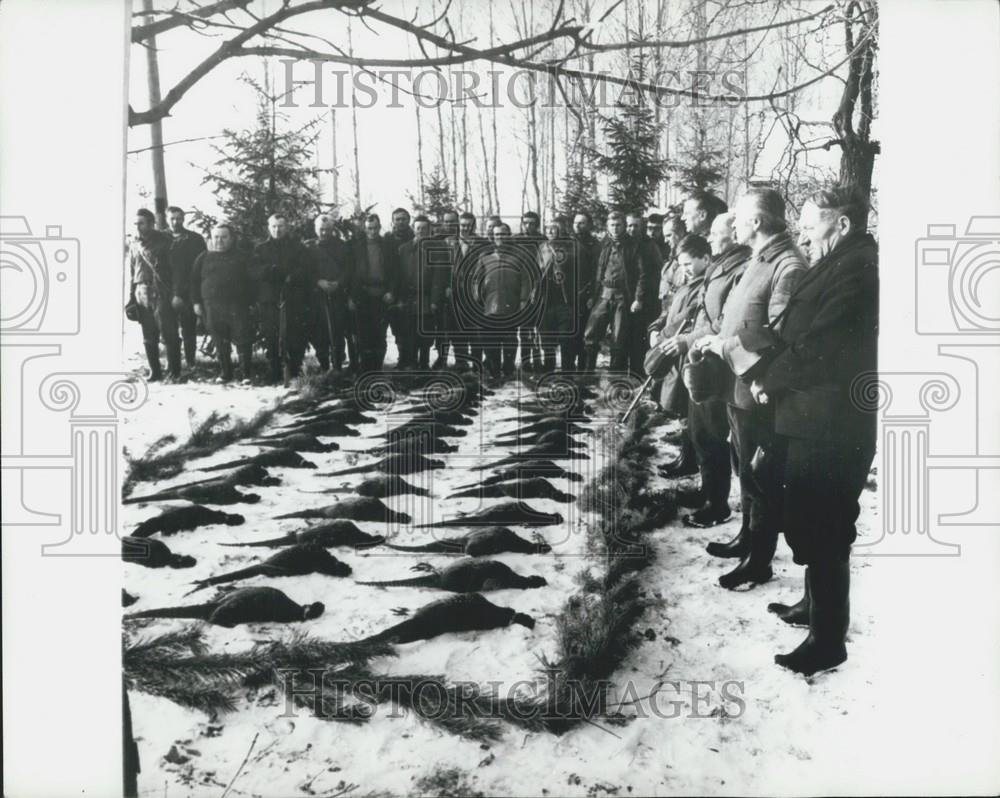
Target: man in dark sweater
{"type": "Point", "coordinates": [330, 316]}
{"type": "Point", "coordinates": [186, 245]}
{"type": "Point", "coordinates": [220, 296]}
{"type": "Point", "coordinates": [525, 244]}
{"type": "Point", "coordinates": [373, 291]}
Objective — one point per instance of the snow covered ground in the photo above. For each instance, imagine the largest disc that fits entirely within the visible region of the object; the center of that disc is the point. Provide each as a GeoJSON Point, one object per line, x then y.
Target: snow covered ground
{"type": "Point", "coordinates": [724, 720]}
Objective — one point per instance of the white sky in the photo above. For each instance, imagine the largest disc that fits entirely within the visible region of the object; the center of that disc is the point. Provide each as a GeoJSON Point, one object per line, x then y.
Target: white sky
{"type": "Point", "coordinates": [387, 135]}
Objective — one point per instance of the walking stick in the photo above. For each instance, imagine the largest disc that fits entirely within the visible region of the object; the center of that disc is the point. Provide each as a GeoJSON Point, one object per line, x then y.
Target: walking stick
{"type": "Point", "coordinates": [636, 398]}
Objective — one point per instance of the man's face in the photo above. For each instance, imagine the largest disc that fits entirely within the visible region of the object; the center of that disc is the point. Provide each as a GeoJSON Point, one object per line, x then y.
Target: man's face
{"type": "Point", "coordinates": [421, 230]}
{"type": "Point", "coordinates": [692, 266]}
{"type": "Point", "coordinates": [400, 221]}
{"type": "Point", "coordinates": [635, 225]}
{"type": "Point", "coordinates": [372, 227]}
{"type": "Point", "coordinates": [176, 222]}
{"type": "Point", "coordinates": [529, 225]}
{"type": "Point", "coordinates": [277, 227]}
{"type": "Point", "coordinates": [324, 228]}
{"type": "Point", "coordinates": [449, 222]}
{"type": "Point", "coordinates": [553, 231]}
{"type": "Point", "coordinates": [616, 227]}
{"type": "Point", "coordinates": [654, 231]}
{"type": "Point", "coordinates": [501, 234]}
{"type": "Point", "coordinates": [721, 235]}
{"type": "Point", "coordinates": [581, 225]}
{"type": "Point", "coordinates": [820, 230]}
{"type": "Point", "coordinates": [744, 219]}
{"type": "Point", "coordinates": [222, 239]}
{"type": "Point", "coordinates": [466, 227]}
{"type": "Point", "coordinates": [143, 227]}
{"type": "Point", "coordinates": [694, 217]}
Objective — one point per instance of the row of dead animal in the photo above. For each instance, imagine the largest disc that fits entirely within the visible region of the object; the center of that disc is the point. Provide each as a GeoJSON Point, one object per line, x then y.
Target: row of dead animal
{"type": "Point", "coordinates": [544, 436]}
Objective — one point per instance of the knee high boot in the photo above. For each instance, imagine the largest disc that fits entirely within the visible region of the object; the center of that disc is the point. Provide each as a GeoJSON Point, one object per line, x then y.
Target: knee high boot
{"type": "Point", "coordinates": [246, 361]}
{"type": "Point", "coordinates": [226, 362]}
{"type": "Point", "coordinates": [153, 356]}
{"type": "Point", "coordinates": [829, 614]}
{"type": "Point", "coordinates": [755, 568]}
{"type": "Point", "coordinates": [796, 614]}
{"type": "Point", "coordinates": [174, 359]}
{"type": "Point", "coordinates": [739, 546]}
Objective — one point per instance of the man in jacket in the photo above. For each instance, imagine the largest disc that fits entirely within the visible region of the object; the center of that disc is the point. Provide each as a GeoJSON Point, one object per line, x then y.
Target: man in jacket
{"type": "Point", "coordinates": [526, 244]}
{"type": "Point", "coordinates": [708, 423]}
{"type": "Point", "coordinates": [667, 332]}
{"type": "Point", "coordinates": [330, 320]}
{"type": "Point", "coordinates": [441, 257]}
{"type": "Point", "coordinates": [503, 292]}
{"type": "Point", "coordinates": [401, 230]}
{"type": "Point", "coordinates": [587, 249]}
{"type": "Point", "coordinates": [285, 285]}
{"type": "Point", "coordinates": [413, 330]}
{"type": "Point", "coordinates": [558, 264]}
{"type": "Point", "coordinates": [828, 349]}
{"type": "Point", "coordinates": [185, 246]}
{"type": "Point", "coordinates": [152, 292]}
{"type": "Point", "coordinates": [220, 296]}
{"type": "Point", "coordinates": [756, 303]}
{"type": "Point", "coordinates": [635, 227]}
{"type": "Point", "coordinates": [621, 293]}
{"type": "Point", "coordinates": [373, 291]}
{"type": "Point", "coordinates": [466, 248]}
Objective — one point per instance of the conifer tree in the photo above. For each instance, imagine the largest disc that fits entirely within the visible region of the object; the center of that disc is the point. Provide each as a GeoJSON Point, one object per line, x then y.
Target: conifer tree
{"type": "Point", "coordinates": [438, 195]}
{"type": "Point", "coordinates": [630, 161]}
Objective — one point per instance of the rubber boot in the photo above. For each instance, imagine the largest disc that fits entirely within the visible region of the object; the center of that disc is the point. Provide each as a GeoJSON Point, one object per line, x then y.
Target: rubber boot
{"type": "Point", "coordinates": [225, 364]}
{"type": "Point", "coordinates": [829, 614]}
{"type": "Point", "coordinates": [739, 546]}
{"type": "Point", "coordinates": [190, 350]}
{"type": "Point", "coordinates": [796, 614]}
{"type": "Point", "coordinates": [246, 362]}
{"type": "Point", "coordinates": [174, 360]}
{"type": "Point", "coordinates": [686, 463]}
{"type": "Point", "coordinates": [755, 568]}
{"type": "Point", "coordinates": [153, 356]}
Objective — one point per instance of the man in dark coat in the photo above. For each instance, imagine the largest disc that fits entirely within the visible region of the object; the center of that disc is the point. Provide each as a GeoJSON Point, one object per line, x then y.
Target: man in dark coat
{"type": "Point", "coordinates": [588, 249]}
{"type": "Point", "coordinates": [152, 292]}
{"type": "Point", "coordinates": [622, 290]}
{"type": "Point", "coordinates": [559, 265]}
{"type": "Point", "coordinates": [441, 260]}
{"type": "Point", "coordinates": [755, 303]}
{"type": "Point", "coordinates": [635, 228]}
{"type": "Point", "coordinates": [526, 244]}
{"type": "Point", "coordinates": [220, 296]}
{"type": "Point", "coordinates": [330, 322]}
{"type": "Point", "coordinates": [373, 291]}
{"type": "Point", "coordinates": [465, 249]}
{"type": "Point", "coordinates": [503, 291]}
{"type": "Point", "coordinates": [185, 246]}
{"type": "Point", "coordinates": [668, 330]}
{"type": "Point", "coordinates": [828, 349]}
{"type": "Point", "coordinates": [708, 423]}
{"type": "Point", "coordinates": [401, 231]}
{"type": "Point", "coordinates": [285, 281]}
{"type": "Point", "coordinates": [413, 328]}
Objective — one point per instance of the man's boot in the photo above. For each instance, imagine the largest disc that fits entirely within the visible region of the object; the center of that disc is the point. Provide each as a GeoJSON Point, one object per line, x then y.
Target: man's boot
{"type": "Point", "coordinates": [829, 614]}
{"type": "Point", "coordinates": [796, 614]}
{"type": "Point", "coordinates": [755, 568]}
{"type": "Point", "coordinates": [739, 546]}
{"type": "Point", "coordinates": [174, 361]}
{"type": "Point", "coordinates": [153, 356]}
{"type": "Point", "coordinates": [190, 349]}
{"type": "Point", "coordinates": [225, 364]}
{"type": "Point", "coordinates": [246, 362]}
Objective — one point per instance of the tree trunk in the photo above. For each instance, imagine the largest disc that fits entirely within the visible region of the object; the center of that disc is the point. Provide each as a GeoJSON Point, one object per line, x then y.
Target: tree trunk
{"type": "Point", "coordinates": [156, 128]}
{"type": "Point", "coordinates": [336, 165]}
{"type": "Point", "coordinates": [354, 128]}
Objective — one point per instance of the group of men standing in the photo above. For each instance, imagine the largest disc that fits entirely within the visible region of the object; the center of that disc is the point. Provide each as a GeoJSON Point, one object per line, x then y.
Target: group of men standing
{"type": "Point", "coordinates": [755, 339]}
{"type": "Point", "coordinates": [766, 346]}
